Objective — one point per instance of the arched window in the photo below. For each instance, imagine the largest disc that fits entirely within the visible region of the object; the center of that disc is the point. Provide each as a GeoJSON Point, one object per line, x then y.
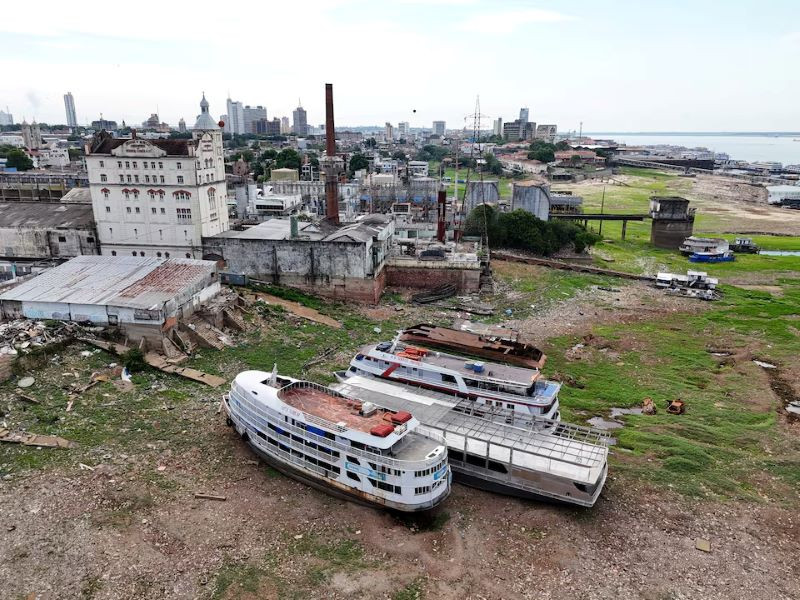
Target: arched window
{"type": "Point", "coordinates": [166, 254]}
{"type": "Point", "coordinates": [158, 254]}
{"type": "Point", "coordinates": [188, 255]}
{"type": "Point", "coordinates": [113, 253]}
{"type": "Point", "coordinates": [134, 252]}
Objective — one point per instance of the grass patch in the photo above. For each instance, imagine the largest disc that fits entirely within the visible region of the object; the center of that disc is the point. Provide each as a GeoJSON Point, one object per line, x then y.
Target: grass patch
{"type": "Point", "coordinates": [237, 581]}
{"type": "Point", "coordinates": [412, 591]}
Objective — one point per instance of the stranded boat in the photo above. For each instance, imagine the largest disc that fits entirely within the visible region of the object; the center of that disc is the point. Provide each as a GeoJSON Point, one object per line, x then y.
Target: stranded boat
{"type": "Point", "coordinates": [492, 347]}
{"type": "Point", "coordinates": [346, 447]}
{"type": "Point", "coordinates": [496, 449]}
{"type": "Point", "coordinates": [493, 384]}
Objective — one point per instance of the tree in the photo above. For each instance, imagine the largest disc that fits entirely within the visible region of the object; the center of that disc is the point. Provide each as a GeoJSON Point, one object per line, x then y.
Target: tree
{"type": "Point", "coordinates": [399, 155]}
{"type": "Point", "coordinates": [247, 155]}
{"type": "Point", "coordinates": [370, 142]}
{"type": "Point", "coordinates": [268, 154]}
{"type": "Point", "coordinates": [357, 162]}
{"type": "Point", "coordinates": [562, 145]}
{"type": "Point", "coordinates": [492, 164]}
{"type": "Point", "coordinates": [431, 152]}
{"type": "Point", "coordinates": [75, 153]}
{"type": "Point", "coordinates": [17, 158]}
{"type": "Point", "coordinates": [287, 158]}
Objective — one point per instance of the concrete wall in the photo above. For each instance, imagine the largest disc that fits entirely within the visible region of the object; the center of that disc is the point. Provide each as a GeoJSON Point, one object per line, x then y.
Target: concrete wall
{"type": "Point", "coordinates": [669, 234]}
{"type": "Point", "coordinates": [334, 269]}
{"type": "Point", "coordinates": [420, 277]}
{"type": "Point", "coordinates": [481, 192]}
{"type": "Point", "coordinates": [25, 242]}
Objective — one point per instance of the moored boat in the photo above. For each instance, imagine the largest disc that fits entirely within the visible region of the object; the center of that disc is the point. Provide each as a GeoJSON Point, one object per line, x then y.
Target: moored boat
{"type": "Point", "coordinates": [514, 388]}
{"type": "Point", "coordinates": [346, 447]}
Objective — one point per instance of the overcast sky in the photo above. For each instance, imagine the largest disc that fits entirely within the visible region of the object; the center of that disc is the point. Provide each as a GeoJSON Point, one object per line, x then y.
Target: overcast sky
{"type": "Point", "coordinates": [618, 65]}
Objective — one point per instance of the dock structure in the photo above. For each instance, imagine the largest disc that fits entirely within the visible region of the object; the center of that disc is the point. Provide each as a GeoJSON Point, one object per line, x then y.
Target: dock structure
{"type": "Point", "coordinates": [492, 448]}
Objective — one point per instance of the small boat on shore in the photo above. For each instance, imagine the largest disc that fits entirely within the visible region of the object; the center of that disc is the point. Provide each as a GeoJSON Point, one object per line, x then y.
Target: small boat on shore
{"type": "Point", "coordinates": [348, 448]}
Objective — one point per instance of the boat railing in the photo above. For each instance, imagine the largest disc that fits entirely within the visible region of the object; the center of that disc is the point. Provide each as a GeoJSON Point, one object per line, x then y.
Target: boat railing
{"type": "Point", "coordinates": [262, 412]}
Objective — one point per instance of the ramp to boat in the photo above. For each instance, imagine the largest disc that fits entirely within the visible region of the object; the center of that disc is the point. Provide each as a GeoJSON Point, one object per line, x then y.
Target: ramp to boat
{"type": "Point", "coordinates": [536, 455]}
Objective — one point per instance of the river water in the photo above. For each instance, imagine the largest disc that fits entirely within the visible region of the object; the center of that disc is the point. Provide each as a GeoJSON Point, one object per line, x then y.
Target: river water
{"type": "Point", "coordinates": [773, 147]}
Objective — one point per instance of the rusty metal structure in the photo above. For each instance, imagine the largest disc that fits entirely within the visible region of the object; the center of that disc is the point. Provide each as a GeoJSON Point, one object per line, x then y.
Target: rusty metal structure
{"type": "Point", "coordinates": [491, 347]}
{"type": "Point", "coordinates": [331, 163]}
{"type": "Point", "coordinates": [441, 216]}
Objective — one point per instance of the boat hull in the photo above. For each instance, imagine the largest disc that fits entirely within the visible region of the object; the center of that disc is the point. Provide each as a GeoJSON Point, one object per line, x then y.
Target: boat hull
{"type": "Point", "coordinates": [482, 482]}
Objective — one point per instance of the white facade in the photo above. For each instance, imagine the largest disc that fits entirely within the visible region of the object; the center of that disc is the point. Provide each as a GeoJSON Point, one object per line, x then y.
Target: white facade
{"type": "Point", "coordinates": [403, 129]}
{"type": "Point", "coordinates": [439, 127]}
{"type": "Point", "coordinates": [69, 106]}
{"type": "Point", "coordinates": [159, 198]}
{"type": "Point", "coordinates": [53, 157]}
{"type": "Point", "coordinates": [6, 118]}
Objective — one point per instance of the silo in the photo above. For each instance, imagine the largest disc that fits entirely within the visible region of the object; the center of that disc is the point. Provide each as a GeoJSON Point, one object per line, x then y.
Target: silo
{"type": "Point", "coordinates": [481, 192]}
{"type": "Point", "coordinates": [532, 196]}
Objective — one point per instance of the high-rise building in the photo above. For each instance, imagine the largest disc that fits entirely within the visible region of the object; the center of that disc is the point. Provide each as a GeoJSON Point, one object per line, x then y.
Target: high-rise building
{"type": "Point", "coordinates": [158, 197]}
{"type": "Point", "coordinates": [273, 127]}
{"type": "Point", "coordinates": [6, 118]}
{"type": "Point", "coordinates": [518, 130]}
{"type": "Point", "coordinates": [235, 120]}
{"type": "Point", "coordinates": [251, 115]}
{"type": "Point", "coordinates": [69, 106]}
{"type": "Point", "coordinates": [402, 129]}
{"type": "Point", "coordinates": [182, 125]}
{"type": "Point", "coordinates": [497, 129]}
{"type": "Point", "coordinates": [439, 127]}
{"type": "Point", "coordinates": [299, 121]}
{"type": "Point", "coordinates": [523, 115]}
{"type": "Point", "coordinates": [388, 132]}
{"type": "Point", "coordinates": [285, 127]}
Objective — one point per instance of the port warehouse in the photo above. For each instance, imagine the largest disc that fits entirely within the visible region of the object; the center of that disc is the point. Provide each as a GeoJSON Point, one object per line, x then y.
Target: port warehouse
{"type": "Point", "coordinates": [145, 297]}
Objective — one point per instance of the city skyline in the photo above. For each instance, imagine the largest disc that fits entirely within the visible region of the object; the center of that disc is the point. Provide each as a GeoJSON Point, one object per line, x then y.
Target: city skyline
{"type": "Point", "coordinates": [698, 64]}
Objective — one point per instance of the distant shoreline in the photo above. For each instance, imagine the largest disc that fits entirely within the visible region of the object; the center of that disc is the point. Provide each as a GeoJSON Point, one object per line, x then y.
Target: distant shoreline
{"type": "Point", "coordinates": [699, 133]}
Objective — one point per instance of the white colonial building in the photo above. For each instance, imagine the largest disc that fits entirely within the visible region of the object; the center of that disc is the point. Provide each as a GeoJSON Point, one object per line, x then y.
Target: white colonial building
{"type": "Point", "coordinates": [158, 197]}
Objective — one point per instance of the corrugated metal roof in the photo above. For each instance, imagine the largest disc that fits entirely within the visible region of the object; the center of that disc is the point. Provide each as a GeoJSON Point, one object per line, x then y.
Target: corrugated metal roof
{"type": "Point", "coordinates": [135, 282]}
{"type": "Point", "coordinates": [46, 215]}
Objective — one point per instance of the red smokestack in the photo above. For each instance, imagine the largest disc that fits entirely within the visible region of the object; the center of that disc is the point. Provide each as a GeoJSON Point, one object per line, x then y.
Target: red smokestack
{"type": "Point", "coordinates": [441, 215]}
{"type": "Point", "coordinates": [331, 175]}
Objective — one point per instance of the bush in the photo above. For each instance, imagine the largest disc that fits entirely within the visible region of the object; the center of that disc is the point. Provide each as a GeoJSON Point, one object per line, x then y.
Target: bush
{"type": "Point", "coordinates": [133, 360]}
{"type": "Point", "coordinates": [522, 230]}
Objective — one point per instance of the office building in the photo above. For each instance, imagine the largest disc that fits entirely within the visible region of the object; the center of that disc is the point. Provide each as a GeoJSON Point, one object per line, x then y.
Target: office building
{"type": "Point", "coordinates": [251, 115]}
{"type": "Point", "coordinates": [235, 121]}
{"type": "Point", "coordinates": [546, 133]}
{"type": "Point", "coordinates": [182, 125]}
{"type": "Point", "coordinates": [403, 129]}
{"type": "Point", "coordinates": [272, 127]}
{"type": "Point", "coordinates": [518, 130]}
{"type": "Point", "coordinates": [388, 132]}
{"type": "Point", "coordinates": [299, 121]}
{"type": "Point", "coordinates": [102, 123]}
{"type": "Point", "coordinates": [158, 197]}
{"type": "Point", "coordinates": [69, 106]}
{"type": "Point", "coordinates": [523, 115]}
{"type": "Point", "coordinates": [439, 127]}
{"type": "Point", "coordinates": [286, 128]}
{"type": "Point", "coordinates": [497, 129]}
{"type": "Point", "coordinates": [6, 118]}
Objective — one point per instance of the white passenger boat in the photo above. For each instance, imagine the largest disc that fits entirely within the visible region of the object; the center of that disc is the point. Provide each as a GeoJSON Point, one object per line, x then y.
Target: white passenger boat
{"type": "Point", "coordinates": [498, 385]}
{"type": "Point", "coordinates": [344, 446]}
{"type": "Point", "coordinates": [496, 449]}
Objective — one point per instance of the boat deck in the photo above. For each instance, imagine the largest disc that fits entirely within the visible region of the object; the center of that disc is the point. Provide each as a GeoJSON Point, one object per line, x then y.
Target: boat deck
{"type": "Point", "coordinates": [539, 444]}
{"type": "Point", "coordinates": [314, 401]}
{"type": "Point", "coordinates": [414, 447]}
{"type": "Point", "coordinates": [510, 373]}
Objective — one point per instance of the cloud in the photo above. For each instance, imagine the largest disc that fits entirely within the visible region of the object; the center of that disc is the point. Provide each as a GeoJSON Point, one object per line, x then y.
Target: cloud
{"type": "Point", "coordinates": [510, 20]}
{"type": "Point", "coordinates": [790, 40]}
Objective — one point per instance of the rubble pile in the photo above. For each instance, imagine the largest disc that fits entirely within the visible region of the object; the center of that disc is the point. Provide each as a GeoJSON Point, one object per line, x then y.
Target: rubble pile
{"type": "Point", "coordinates": [24, 335]}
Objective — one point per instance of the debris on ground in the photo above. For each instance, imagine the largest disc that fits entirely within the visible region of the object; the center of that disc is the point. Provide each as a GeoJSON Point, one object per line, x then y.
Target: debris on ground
{"type": "Point", "coordinates": [764, 365]}
{"type": "Point", "coordinates": [702, 544]}
{"type": "Point", "coordinates": [203, 496]}
{"type": "Point", "coordinates": [24, 335]}
{"type": "Point", "coordinates": [27, 398]}
{"type": "Point", "coordinates": [676, 407]}
{"type": "Point", "coordinates": [32, 439]}
{"type": "Point", "coordinates": [440, 292]}
{"type": "Point", "coordinates": [158, 362]}
{"type": "Point", "coordinates": [295, 308]}
{"type": "Point", "coordinates": [26, 382]}
{"type": "Point", "coordinates": [648, 407]}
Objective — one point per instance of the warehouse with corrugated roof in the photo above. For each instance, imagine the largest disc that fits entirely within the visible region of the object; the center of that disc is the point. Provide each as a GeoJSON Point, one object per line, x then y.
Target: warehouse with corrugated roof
{"type": "Point", "coordinates": [144, 296]}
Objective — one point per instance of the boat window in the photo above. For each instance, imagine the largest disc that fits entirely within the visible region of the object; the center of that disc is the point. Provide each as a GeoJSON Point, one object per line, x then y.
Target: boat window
{"type": "Point", "coordinates": [498, 467]}
{"type": "Point", "coordinates": [353, 459]}
{"type": "Point", "coordinates": [455, 455]}
{"type": "Point", "coordinates": [478, 461]}
{"type": "Point", "coordinates": [353, 476]}
{"type": "Point", "coordinates": [448, 378]}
